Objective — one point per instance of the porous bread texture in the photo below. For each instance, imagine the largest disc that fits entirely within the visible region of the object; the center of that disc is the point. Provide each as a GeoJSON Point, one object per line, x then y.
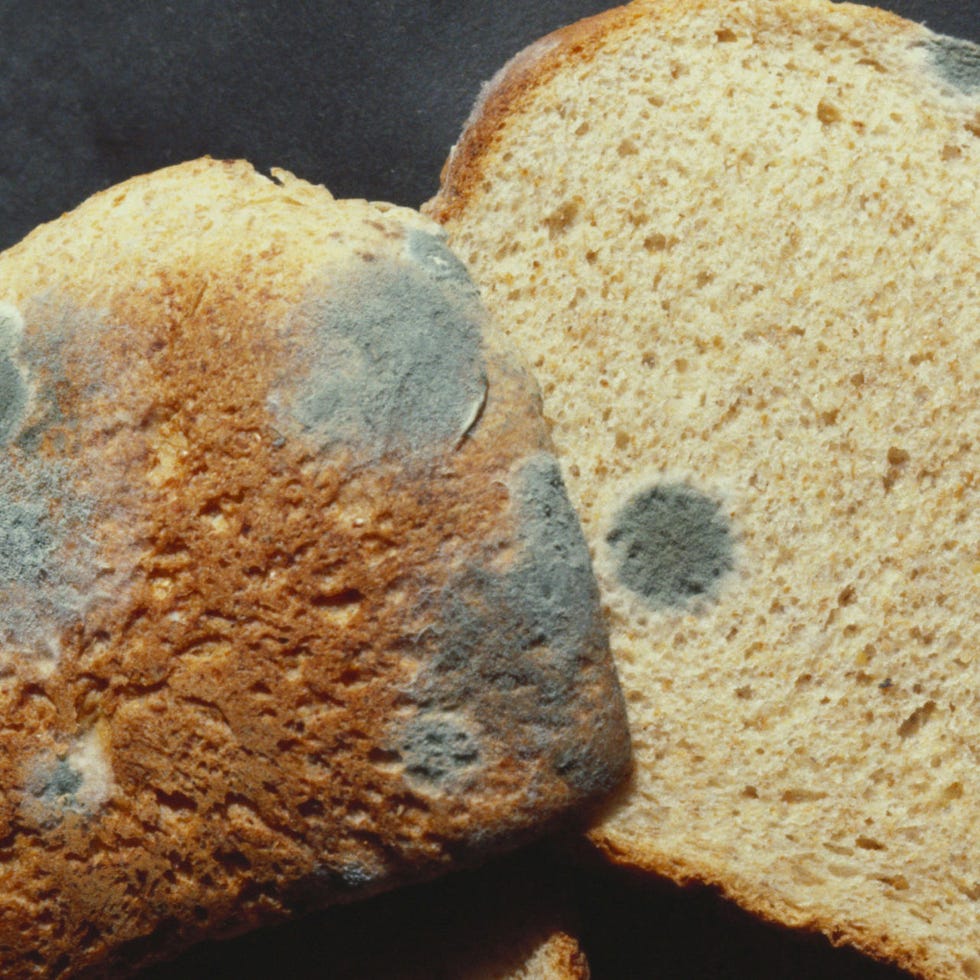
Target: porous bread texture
{"type": "Point", "coordinates": [738, 243]}
{"type": "Point", "coordinates": [293, 607]}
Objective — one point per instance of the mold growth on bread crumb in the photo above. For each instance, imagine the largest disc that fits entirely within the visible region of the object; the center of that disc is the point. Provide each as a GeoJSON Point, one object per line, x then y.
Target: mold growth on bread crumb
{"type": "Point", "coordinates": [77, 781]}
{"type": "Point", "coordinates": [53, 482]}
{"type": "Point", "coordinates": [958, 62]}
{"type": "Point", "coordinates": [41, 588]}
{"type": "Point", "coordinates": [438, 750]}
{"type": "Point", "coordinates": [27, 540]}
{"type": "Point", "coordinates": [672, 545]}
{"type": "Point", "coordinates": [387, 359]}
{"type": "Point", "coordinates": [13, 398]}
{"type": "Point", "coordinates": [555, 581]}
{"type": "Point", "coordinates": [14, 393]}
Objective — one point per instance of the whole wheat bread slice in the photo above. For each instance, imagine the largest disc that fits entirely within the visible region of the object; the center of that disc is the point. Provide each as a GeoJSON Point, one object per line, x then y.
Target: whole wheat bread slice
{"type": "Point", "coordinates": [738, 242]}
{"type": "Point", "coordinates": [293, 606]}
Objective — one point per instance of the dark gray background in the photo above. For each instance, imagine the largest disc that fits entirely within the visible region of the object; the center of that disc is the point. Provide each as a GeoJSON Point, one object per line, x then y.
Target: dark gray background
{"type": "Point", "coordinates": [366, 97]}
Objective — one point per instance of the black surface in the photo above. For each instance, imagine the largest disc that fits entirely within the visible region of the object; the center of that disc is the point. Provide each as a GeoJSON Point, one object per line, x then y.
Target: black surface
{"type": "Point", "coordinates": [365, 96]}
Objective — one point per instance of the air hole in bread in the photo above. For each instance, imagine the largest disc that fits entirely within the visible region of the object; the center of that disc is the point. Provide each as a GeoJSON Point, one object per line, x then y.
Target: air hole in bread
{"type": "Point", "coordinates": [915, 721]}
{"type": "Point", "coordinates": [971, 967]}
{"type": "Point", "coordinates": [338, 600]}
{"type": "Point", "coordinates": [874, 64]}
{"type": "Point", "coordinates": [175, 801]}
{"type": "Point", "coordinates": [562, 218]}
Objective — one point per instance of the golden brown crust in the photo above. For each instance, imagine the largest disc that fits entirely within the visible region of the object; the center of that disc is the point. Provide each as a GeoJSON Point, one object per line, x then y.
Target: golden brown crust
{"type": "Point", "coordinates": [253, 669]}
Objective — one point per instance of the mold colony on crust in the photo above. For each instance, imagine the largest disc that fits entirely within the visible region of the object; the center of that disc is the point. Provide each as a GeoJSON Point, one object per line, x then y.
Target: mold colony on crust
{"type": "Point", "coordinates": [396, 365]}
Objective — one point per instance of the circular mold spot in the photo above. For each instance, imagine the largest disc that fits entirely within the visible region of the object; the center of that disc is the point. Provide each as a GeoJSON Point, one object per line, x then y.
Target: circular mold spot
{"type": "Point", "coordinates": [671, 545]}
{"type": "Point", "coordinates": [437, 750]}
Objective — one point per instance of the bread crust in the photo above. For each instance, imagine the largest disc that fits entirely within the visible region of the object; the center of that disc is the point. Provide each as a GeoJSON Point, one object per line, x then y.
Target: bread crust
{"type": "Point", "coordinates": [279, 635]}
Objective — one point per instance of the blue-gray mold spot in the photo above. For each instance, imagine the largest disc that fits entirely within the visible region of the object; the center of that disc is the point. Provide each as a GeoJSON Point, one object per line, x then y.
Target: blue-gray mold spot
{"type": "Point", "coordinates": [41, 590]}
{"type": "Point", "coordinates": [356, 876]}
{"type": "Point", "coordinates": [671, 545]}
{"type": "Point", "coordinates": [325, 882]}
{"type": "Point", "coordinates": [49, 552]}
{"type": "Point", "coordinates": [53, 793]}
{"type": "Point", "coordinates": [14, 393]}
{"type": "Point", "coordinates": [55, 356]}
{"type": "Point", "coordinates": [437, 750]}
{"type": "Point", "coordinates": [61, 784]}
{"type": "Point", "coordinates": [958, 62]}
{"type": "Point", "coordinates": [395, 362]}
{"type": "Point", "coordinates": [26, 541]}
{"type": "Point", "coordinates": [554, 580]}
{"type": "Point", "coordinates": [13, 398]}
{"type": "Point", "coordinates": [547, 601]}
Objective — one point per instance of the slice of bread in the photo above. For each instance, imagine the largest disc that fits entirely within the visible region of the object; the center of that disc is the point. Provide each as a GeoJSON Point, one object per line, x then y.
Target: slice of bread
{"type": "Point", "coordinates": [738, 241]}
{"type": "Point", "coordinates": [293, 606]}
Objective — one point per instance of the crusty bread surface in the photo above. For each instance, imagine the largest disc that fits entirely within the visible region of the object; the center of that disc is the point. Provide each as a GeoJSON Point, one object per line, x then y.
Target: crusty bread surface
{"type": "Point", "coordinates": [293, 606]}
{"type": "Point", "coordinates": [738, 243]}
